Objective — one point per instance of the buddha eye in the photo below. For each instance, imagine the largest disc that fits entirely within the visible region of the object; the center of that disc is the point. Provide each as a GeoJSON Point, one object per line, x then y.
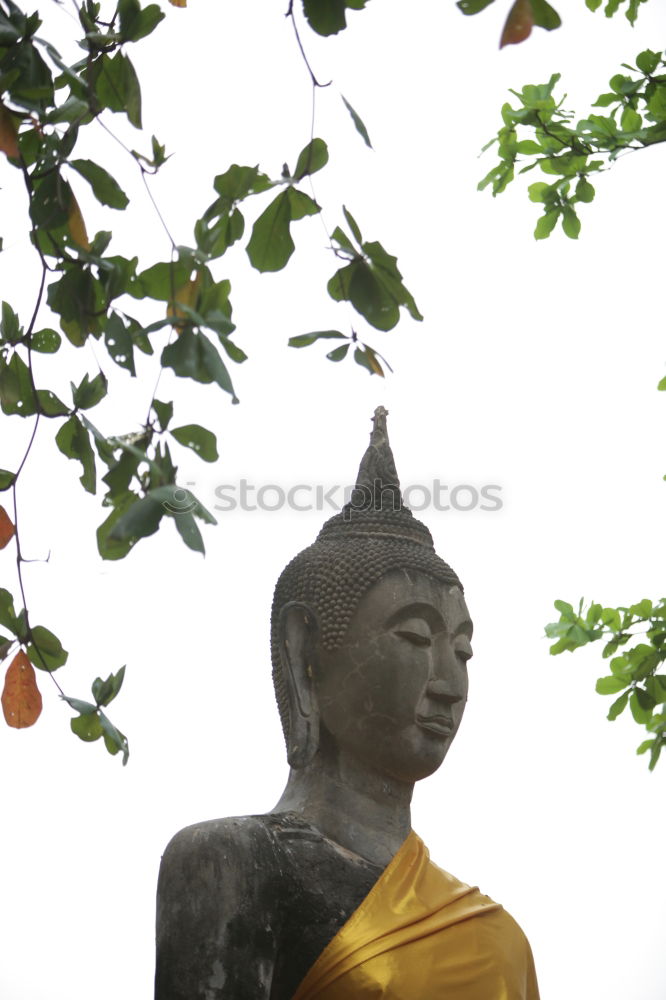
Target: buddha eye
{"type": "Point", "coordinates": [464, 652]}
{"type": "Point", "coordinates": [416, 638]}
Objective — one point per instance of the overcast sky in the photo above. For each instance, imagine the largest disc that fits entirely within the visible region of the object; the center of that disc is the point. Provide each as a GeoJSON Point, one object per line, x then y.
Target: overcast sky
{"type": "Point", "coordinates": [534, 372]}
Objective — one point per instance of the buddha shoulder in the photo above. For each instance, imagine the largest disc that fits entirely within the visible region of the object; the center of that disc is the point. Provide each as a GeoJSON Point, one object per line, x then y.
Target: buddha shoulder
{"type": "Point", "coordinates": [216, 901]}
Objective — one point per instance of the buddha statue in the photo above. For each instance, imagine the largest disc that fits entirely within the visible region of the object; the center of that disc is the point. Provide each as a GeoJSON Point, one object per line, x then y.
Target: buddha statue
{"type": "Point", "coordinates": [332, 895]}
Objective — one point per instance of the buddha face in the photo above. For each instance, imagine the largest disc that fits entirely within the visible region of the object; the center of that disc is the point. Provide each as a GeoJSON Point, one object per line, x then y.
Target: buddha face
{"type": "Point", "coordinates": [393, 693]}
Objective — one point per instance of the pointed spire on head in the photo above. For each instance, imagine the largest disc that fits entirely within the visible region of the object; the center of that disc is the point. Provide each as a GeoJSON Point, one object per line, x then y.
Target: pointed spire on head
{"type": "Point", "coordinates": [375, 507]}
{"type": "Point", "coordinates": [377, 484]}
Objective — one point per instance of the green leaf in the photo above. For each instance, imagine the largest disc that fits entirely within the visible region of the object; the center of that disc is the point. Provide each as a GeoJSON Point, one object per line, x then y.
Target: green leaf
{"type": "Point", "coordinates": [193, 356]}
{"type": "Point", "coordinates": [642, 609]}
{"type": "Point", "coordinates": [90, 391]}
{"type": "Point", "coordinates": [358, 284]}
{"type": "Point", "coordinates": [45, 650]}
{"type": "Point", "coordinates": [51, 202]}
{"type": "Point", "coordinates": [10, 329]}
{"type": "Point", "coordinates": [49, 404]}
{"type": "Point", "coordinates": [238, 182]}
{"type": "Point", "coordinates": [654, 754]}
{"type": "Point", "coordinates": [647, 61]}
{"type": "Point", "coordinates": [105, 691]}
{"type": "Point", "coordinates": [84, 707]}
{"type": "Point", "coordinates": [385, 267]}
{"type": "Point", "coordinates": [136, 23]}
{"type": "Point", "coordinates": [610, 685]}
{"type": "Point", "coordinates": [305, 339]}
{"type": "Point", "coordinates": [7, 479]}
{"type": "Point", "coordinates": [17, 396]}
{"type": "Point", "coordinates": [311, 159]}
{"type": "Point", "coordinates": [327, 17]}
{"type": "Point", "coordinates": [662, 384]}
{"type": "Point", "coordinates": [618, 706]}
{"type": "Point", "coordinates": [8, 617]}
{"type": "Point", "coordinates": [645, 746]}
{"type": "Point", "coordinates": [215, 367]}
{"type": "Point", "coordinates": [87, 727]}
{"type": "Point", "coordinates": [74, 442]}
{"type": "Point", "coordinates": [358, 122]}
{"type": "Point", "coordinates": [45, 341]}
{"type": "Point", "coordinates": [605, 100]}
{"type": "Point", "coordinates": [301, 204]}
{"type": "Point", "coordinates": [611, 617]}
{"type": "Point", "coordinates": [373, 286]}
{"type": "Point", "coordinates": [119, 342]}
{"type": "Point", "coordinates": [353, 225]}
{"type": "Point", "coordinates": [366, 358]}
{"type": "Point", "coordinates": [639, 712]}
{"type": "Point", "coordinates": [164, 413]}
{"type": "Point", "coordinates": [77, 298]}
{"type": "Point", "coordinates": [344, 242]}
{"type": "Point", "coordinates": [584, 190]}
{"type": "Point", "coordinates": [656, 687]}
{"type": "Point", "coordinates": [189, 532]}
{"type": "Point", "coordinates": [528, 146]}
{"type": "Point", "coordinates": [271, 245]}
{"type": "Point", "coordinates": [161, 281]}
{"type": "Point", "coordinates": [141, 519]}
{"type": "Point", "coordinates": [474, 6]}
{"type": "Point", "coordinates": [645, 700]}
{"type": "Point", "coordinates": [657, 103]}
{"type": "Point", "coordinates": [108, 547]}
{"type": "Point", "coordinates": [117, 87]}
{"type": "Point", "coordinates": [545, 224]}
{"type": "Point", "coordinates": [544, 15]}
{"type": "Point", "coordinates": [114, 740]}
{"type": "Point", "coordinates": [199, 439]}
{"type": "Point", "coordinates": [338, 353]}
{"type": "Point", "coordinates": [105, 187]}
{"type": "Point", "coordinates": [631, 121]}
{"type": "Point", "coordinates": [570, 222]}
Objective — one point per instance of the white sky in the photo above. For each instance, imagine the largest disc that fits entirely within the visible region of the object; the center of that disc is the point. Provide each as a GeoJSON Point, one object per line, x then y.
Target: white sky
{"type": "Point", "coordinates": [535, 369]}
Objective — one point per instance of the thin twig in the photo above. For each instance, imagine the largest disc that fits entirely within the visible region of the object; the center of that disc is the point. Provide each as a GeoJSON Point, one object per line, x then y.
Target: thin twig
{"type": "Point", "coordinates": [315, 81]}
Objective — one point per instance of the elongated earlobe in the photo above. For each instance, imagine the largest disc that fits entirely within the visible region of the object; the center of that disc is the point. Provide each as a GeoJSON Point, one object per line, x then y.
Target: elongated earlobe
{"type": "Point", "coordinates": [297, 634]}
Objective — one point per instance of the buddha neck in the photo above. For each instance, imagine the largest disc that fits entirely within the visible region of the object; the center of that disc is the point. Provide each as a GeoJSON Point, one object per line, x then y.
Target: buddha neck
{"type": "Point", "coordinates": [359, 809]}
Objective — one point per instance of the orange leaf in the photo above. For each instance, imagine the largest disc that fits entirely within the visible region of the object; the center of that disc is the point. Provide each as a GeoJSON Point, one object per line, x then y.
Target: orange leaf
{"type": "Point", "coordinates": [21, 700]}
{"type": "Point", "coordinates": [518, 24]}
{"type": "Point", "coordinates": [76, 225]}
{"type": "Point", "coordinates": [8, 133]}
{"type": "Point", "coordinates": [7, 529]}
{"type": "Point", "coordinates": [178, 3]}
{"type": "Point", "coordinates": [186, 295]}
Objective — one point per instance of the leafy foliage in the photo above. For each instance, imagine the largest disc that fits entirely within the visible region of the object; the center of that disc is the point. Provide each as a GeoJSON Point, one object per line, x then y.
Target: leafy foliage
{"type": "Point", "coordinates": [92, 723]}
{"type": "Point", "coordinates": [523, 15]}
{"type": "Point", "coordinates": [637, 673]}
{"type": "Point", "coordinates": [46, 104]}
{"type": "Point", "coordinates": [538, 133]}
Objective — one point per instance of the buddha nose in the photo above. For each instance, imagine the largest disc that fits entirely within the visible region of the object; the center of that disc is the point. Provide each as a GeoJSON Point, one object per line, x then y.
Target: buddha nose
{"type": "Point", "coordinates": [440, 690]}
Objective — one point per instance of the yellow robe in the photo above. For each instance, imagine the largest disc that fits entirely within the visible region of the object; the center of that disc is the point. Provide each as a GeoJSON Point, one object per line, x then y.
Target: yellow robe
{"type": "Point", "coordinates": [420, 934]}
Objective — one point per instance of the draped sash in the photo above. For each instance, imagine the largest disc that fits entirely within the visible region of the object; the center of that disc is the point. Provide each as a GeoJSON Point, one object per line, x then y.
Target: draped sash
{"type": "Point", "coordinates": [420, 934]}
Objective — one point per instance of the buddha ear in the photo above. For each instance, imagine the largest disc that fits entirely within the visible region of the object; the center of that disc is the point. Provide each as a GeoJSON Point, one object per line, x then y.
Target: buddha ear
{"type": "Point", "coordinates": [298, 631]}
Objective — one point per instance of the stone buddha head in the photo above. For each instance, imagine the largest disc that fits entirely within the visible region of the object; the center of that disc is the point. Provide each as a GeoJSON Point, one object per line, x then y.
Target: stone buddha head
{"type": "Point", "coordinates": [370, 635]}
